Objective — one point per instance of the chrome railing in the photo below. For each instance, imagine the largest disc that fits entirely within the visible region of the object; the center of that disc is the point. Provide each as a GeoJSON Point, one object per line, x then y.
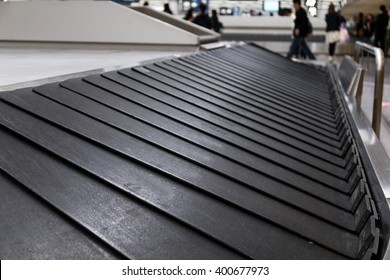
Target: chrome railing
{"type": "Point", "coordinates": [379, 80]}
{"type": "Point", "coordinates": [377, 156]}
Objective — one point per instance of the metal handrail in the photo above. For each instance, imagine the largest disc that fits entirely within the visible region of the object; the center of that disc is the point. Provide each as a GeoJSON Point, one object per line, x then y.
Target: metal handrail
{"type": "Point", "coordinates": [379, 81]}
{"type": "Point", "coordinates": [380, 162]}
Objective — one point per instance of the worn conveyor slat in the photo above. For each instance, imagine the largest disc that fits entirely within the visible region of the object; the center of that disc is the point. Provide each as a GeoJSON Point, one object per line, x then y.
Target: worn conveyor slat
{"type": "Point", "coordinates": [245, 151]}
{"type": "Point", "coordinates": [247, 110]}
{"type": "Point", "coordinates": [226, 121]}
{"type": "Point", "coordinates": [255, 94]}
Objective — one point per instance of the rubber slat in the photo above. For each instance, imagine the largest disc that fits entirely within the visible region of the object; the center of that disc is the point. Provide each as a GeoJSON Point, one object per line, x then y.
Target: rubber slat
{"type": "Point", "coordinates": [244, 65]}
{"type": "Point", "coordinates": [244, 110]}
{"type": "Point", "coordinates": [302, 98]}
{"type": "Point", "coordinates": [269, 94]}
{"type": "Point", "coordinates": [136, 81]}
{"type": "Point", "coordinates": [182, 127]}
{"type": "Point", "coordinates": [266, 104]}
{"type": "Point", "coordinates": [147, 96]}
{"type": "Point", "coordinates": [262, 56]}
{"type": "Point", "coordinates": [205, 157]}
{"type": "Point", "coordinates": [158, 158]}
{"type": "Point", "coordinates": [106, 202]}
{"type": "Point", "coordinates": [32, 229]}
{"type": "Point", "coordinates": [248, 109]}
{"type": "Point", "coordinates": [125, 224]}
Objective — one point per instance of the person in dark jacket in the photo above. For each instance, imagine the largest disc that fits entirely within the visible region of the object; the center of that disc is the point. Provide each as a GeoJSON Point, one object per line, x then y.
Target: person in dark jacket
{"type": "Point", "coordinates": [369, 28]}
{"type": "Point", "coordinates": [360, 26]}
{"type": "Point", "coordinates": [216, 25]}
{"type": "Point", "coordinates": [333, 22]}
{"type": "Point", "coordinates": [381, 23]}
{"type": "Point", "coordinates": [301, 30]}
{"type": "Point", "coordinates": [189, 15]}
{"type": "Point", "coordinates": [167, 9]}
{"type": "Point", "coordinates": [203, 18]}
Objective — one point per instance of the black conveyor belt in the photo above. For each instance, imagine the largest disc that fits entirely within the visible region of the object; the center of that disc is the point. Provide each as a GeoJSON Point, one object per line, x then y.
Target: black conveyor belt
{"type": "Point", "coordinates": [235, 153]}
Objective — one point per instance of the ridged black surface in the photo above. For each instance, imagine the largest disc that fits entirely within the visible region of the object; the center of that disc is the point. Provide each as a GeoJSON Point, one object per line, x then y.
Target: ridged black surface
{"type": "Point", "coordinates": [235, 153]}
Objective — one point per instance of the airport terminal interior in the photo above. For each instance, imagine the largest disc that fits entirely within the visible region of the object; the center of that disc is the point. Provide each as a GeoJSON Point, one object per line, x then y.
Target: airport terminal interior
{"type": "Point", "coordinates": [128, 131]}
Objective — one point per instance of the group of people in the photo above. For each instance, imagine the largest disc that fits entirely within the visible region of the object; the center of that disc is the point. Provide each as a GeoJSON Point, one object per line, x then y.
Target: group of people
{"type": "Point", "coordinates": [370, 26]}
{"type": "Point", "coordinates": [203, 19]}
{"type": "Point", "coordinates": [303, 29]}
{"type": "Point", "coordinates": [366, 28]}
{"type": "Point", "coordinates": [333, 22]}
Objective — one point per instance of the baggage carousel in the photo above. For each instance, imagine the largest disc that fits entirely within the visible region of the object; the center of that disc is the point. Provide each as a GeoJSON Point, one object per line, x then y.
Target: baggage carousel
{"type": "Point", "coordinates": [234, 153]}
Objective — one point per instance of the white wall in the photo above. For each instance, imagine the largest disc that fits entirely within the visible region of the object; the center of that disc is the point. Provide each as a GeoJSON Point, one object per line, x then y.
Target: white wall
{"type": "Point", "coordinates": [85, 21]}
{"type": "Point", "coordinates": [266, 22]}
{"type": "Point", "coordinates": [266, 25]}
{"type": "Point", "coordinates": [258, 4]}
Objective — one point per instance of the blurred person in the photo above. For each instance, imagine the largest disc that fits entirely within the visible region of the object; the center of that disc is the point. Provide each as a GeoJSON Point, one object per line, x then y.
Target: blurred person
{"type": "Point", "coordinates": [252, 13]}
{"type": "Point", "coordinates": [167, 9]}
{"type": "Point", "coordinates": [189, 15]}
{"type": "Point", "coordinates": [369, 28]}
{"type": "Point", "coordinates": [216, 25]}
{"type": "Point", "coordinates": [203, 18]}
{"type": "Point", "coordinates": [350, 23]}
{"type": "Point", "coordinates": [333, 22]}
{"type": "Point", "coordinates": [300, 31]}
{"type": "Point", "coordinates": [360, 26]}
{"type": "Point", "coordinates": [381, 23]}
{"type": "Point", "coordinates": [146, 3]}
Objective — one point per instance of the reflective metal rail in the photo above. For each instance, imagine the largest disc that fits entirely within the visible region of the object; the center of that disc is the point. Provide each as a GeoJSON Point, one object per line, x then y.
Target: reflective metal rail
{"type": "Point", "coordinates": [379, 80]}
{"type": "Point", "coordinates": [373, 151]}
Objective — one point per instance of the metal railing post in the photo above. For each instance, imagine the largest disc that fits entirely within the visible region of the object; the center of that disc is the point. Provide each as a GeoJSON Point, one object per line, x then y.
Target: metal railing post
{"type": "Point", "coordinates": [379, 84]}
{"type": "Point", "coordinates": [379, 81]}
